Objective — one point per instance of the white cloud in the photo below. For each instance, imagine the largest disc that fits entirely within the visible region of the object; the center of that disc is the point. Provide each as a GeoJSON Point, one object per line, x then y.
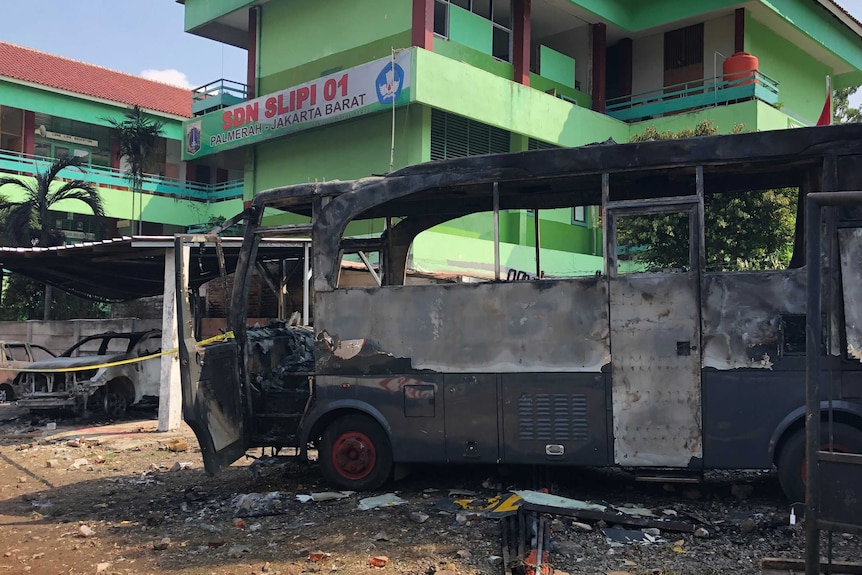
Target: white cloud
{"type": "Point", "coordinates": [172, 77]}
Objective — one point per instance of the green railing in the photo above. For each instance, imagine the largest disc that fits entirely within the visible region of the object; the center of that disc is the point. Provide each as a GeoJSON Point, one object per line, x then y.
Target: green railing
{"type": "Point", "coordinates": [694, 95]}
{"type": "Point", "coordinates": [110, 178]}
{"type": "Point", "coordinates": [218, 94]}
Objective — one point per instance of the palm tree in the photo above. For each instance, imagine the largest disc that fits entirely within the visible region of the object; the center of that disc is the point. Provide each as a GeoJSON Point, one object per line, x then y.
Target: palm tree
{"type": "Point", "coordinates": [27, 221]}
{"type": "Point", "coordinates": [137, 136]}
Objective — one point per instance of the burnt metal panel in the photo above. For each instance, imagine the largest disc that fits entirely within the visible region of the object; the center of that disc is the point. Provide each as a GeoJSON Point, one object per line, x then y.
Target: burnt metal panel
{"type": "Point", "coordinates": [850, 244]}
{"type": "Point", "coordinates": [840, 498]}
{"type": "Point", "coordinates": [555, 418]}
{"type": "Point", "coordinates": [742, 316]}
{"type": "Point", "coordinates": [742, 410]}
{"type": "Point", "coordinates": [414, 439]}
{"type": "Point", "coordinates": [655, 338]}
{"type": "Point", "coordinates": [471, 417]}
{"type": "Point", "coordinates": [529, 326]}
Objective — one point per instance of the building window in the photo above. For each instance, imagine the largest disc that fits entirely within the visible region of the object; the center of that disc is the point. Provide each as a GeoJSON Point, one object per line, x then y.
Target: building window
{"type": "Point", "coordinates": [455, 136]}
{"type": "Point", "coordinates": [498, 13]}
{"type": "Point", "coordinates": [579, 215]}
{"type": "Point", "coordinates": [683, 47]}
{"type": "Point", "coordinates": [11, 129]}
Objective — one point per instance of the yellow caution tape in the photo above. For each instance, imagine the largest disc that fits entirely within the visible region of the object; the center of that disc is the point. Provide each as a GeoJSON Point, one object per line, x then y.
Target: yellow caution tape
{"type": "Point", "coordinates": [217, 338]}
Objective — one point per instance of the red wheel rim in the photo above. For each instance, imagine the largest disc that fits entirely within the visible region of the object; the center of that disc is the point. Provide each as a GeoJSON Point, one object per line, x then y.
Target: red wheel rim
{"type": "Point", "coordinates": [353, 455]}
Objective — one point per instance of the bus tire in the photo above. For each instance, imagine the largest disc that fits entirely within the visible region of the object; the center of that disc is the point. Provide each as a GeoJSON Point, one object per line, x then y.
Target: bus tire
{"type": "Point", "coordinates": [791, 458]}
{"type": "Point", "coordinates": [355, 454]}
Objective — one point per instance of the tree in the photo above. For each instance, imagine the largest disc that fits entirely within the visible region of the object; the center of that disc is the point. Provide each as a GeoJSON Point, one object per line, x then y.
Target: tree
{"type": "Point", "coordinates": [842, 113]}
{"type": "Point", "coordinates": [138, 135]}
{"type": "Point", "coordinates": [743, 230]}
{"type": "Point", "coordinates": [27, 221]}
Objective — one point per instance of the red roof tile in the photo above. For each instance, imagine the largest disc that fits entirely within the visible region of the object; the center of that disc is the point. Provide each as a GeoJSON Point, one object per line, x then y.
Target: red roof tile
{"type": "Point", "coordinates": [30, 65]}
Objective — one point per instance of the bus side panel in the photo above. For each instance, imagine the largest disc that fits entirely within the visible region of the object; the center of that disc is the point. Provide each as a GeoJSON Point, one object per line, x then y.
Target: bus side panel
{"type": "Point", "coordinates": [409, 407]}
{"type": "Point", "coordinates": [742, 316]}
{"type": "Point", "coordinates": [555, 418]}
{"type": "Point", "coordinates": [742, 409]}
{"type": "Point", "coordinates": [501, 327]}
{"type": "Point", "coordinates": [850, 241]}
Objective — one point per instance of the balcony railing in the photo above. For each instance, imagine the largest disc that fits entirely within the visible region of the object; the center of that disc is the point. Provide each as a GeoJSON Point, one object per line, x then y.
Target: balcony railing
{"type": "Point", "coordinates": [694, 95]}
{"type": "Point", "coordinates": [218, 94]}
{"type": "Point", "coordinates": [110, 178]}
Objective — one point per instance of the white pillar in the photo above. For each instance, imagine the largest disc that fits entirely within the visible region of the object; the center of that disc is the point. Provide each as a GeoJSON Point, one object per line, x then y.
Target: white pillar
{"type": "Point", "coordinates": [170, 391]}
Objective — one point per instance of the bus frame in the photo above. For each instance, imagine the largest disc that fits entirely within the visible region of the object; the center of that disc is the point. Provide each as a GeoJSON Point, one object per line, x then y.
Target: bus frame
{"type": "Point", "coordinates": [665, 372]}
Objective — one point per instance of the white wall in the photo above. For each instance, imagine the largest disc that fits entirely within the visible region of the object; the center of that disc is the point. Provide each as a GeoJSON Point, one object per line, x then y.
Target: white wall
{"type": "Point", "coordinates": [717, 43]}
{"type": "Point", "coordinates": [58, 336]}
{"type": "Point", "coordinates": [648, 63]}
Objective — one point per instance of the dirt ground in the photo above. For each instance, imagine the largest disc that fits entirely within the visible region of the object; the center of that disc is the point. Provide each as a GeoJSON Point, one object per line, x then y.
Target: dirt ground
{"type": "Point", "coordinates": [135, 506]}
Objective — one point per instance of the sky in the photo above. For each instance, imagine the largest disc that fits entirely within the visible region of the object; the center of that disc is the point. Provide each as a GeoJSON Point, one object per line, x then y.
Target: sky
{"type": "Point", "coordinates": [143, 37]}
{"type": "Point", "coordinates": [140, 37]}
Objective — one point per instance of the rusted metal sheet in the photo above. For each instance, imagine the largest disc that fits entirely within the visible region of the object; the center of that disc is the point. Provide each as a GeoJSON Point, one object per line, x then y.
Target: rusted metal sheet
{"type": "Point", "coordinates": [538, 326]}
{"type": "Point", "coordinates": [655, 334]}
{"type": "Point", "coordinates": [742, 316]}
{"type": "Point", "coordinates": [850, 243]}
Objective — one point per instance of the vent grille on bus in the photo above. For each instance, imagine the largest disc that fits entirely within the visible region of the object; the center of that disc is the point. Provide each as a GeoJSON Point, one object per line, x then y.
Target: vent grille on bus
{"type": "Point", "coordinates": [553, 417]}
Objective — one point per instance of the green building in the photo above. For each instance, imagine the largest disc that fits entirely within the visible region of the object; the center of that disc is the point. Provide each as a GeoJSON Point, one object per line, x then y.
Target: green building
{"type": "Point", "coordinates": [348, 88]}
{"type": "Point", "coordinates": [52, 106]}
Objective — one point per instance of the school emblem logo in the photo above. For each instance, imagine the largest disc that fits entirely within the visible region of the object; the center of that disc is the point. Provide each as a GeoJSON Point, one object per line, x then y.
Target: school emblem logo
{"type": "Point", "coordinates": [193, 138]}
{"type": "Point", "coordinates": [389, 83]}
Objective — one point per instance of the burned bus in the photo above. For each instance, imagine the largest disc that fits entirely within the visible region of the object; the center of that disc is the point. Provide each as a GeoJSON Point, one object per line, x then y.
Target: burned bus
{"type": "Point", "coordinates": [664, 370]}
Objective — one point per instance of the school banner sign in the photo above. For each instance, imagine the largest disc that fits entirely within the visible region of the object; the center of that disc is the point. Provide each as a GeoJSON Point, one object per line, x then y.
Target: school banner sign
{"type": "Point", "coordinates": [367, 88]}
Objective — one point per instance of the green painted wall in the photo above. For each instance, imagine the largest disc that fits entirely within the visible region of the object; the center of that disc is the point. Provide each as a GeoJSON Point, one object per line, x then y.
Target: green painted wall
{"type": "Point", "coordinates": [328, 65]}
{"type": "Point", "coordinates": [507, 105]}
{"type": "Point", "coordinates": [820, 26]}
{"type": "Point", "coordinates": [297, 33]}
{"type": "Point", "coordinates": [802, 79]}
{"type": "Point", "coordinates": [475, 58]}
{"type": "Point", "coordinates": [346, 150]}
{"type": "Point", "coordinates": [753, 116]}
{"type": "Point", "coordinates": [470, 29]}
{"type": "Point", "coordinates": [198, 12]}
{"type": "Point", "coordinates": [72, 107]}
{"type": "Point", "coordinates": [645, 15]}
{"type": "Point", "coordinates": [118, 204]}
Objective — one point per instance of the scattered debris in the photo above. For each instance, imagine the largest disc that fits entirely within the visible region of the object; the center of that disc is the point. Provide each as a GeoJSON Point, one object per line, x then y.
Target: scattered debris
{"type": "Point", "coordinates": [84, 531]}
{"type": "Point", "coordinates": [418, 517]}
{"type": "Point", "coordinates": [162, 544]}
{"type": "Point", "coordinates": [237, 551]}
{"type": "Point", "coordinates": [178, 445]}
{"type": "Point", "coordinates": [78, 464]}
{"type": "Point", "coordinates": [180, 465]}
{"type": "Point", "coordinates": [323, 496]}
{"type": "Point", "coordinates": [258, 504]}
{"type": "Point", "coordinates": [385, 500]}
{"type": "Point", "coordinates": [316, 556]}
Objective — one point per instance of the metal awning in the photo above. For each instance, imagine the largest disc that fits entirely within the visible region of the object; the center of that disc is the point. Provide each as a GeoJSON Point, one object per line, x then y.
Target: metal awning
{"type": "Point", "coordinates": [128, 268]}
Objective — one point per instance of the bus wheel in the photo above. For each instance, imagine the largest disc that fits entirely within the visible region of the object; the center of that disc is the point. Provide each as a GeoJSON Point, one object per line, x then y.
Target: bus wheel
{"type": "Point", "coordinates": [355, 454]}
{"type": "Point", "coordinates": [791, 458]}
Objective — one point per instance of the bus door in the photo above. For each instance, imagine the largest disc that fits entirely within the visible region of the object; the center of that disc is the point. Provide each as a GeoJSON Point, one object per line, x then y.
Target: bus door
{"type": "Point", "coordinates": [653, 269]}
{"type": "Point", "coordinates": [214, 402]}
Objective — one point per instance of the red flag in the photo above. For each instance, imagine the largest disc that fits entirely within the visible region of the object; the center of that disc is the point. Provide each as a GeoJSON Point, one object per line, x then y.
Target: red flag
{"type": "Point", "coordinates": [825, 118]}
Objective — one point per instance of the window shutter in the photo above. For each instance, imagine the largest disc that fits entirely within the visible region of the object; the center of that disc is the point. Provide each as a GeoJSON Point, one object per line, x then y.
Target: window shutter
{"type": "Point", "coordinates": [454, 136]}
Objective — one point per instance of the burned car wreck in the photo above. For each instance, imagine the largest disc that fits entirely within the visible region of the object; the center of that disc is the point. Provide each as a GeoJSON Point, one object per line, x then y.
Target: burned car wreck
{"type": "Point", "coordinates": [104, 373]}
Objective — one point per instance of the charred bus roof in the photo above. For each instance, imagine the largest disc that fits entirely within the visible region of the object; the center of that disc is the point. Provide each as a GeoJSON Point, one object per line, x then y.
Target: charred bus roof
{"type": "Point", "coordinates": [564, 177]}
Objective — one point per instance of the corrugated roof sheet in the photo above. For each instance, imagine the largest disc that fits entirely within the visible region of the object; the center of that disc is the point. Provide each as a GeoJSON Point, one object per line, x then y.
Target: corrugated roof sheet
{"type": "Point", "coordinates": [28, 65]}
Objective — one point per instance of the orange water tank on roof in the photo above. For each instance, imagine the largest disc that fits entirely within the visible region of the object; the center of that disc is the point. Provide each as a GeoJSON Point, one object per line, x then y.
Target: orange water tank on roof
{"type": "Point", "coordinates": [740, 69]}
